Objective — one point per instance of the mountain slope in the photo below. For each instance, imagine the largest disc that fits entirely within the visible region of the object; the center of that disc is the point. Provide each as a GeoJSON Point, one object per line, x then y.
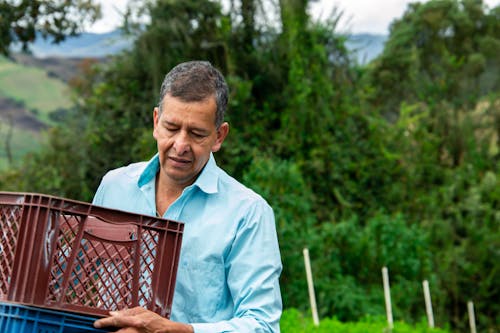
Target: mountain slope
{"type": "Point", "coordinates": [85, 45]}
{"type": "Point", "coordinates": [30, 100]}
{"type": "Point", "coordinates": [365, 46]}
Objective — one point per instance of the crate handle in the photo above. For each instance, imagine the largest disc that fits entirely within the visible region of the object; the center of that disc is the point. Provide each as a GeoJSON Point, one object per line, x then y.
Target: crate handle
{"type": "Point", "coordinates": [115, 232]}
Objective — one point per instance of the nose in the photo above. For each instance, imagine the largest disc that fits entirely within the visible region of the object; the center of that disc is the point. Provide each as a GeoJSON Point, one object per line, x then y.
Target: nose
{"type": "Point", "coordinates": [182, 143]}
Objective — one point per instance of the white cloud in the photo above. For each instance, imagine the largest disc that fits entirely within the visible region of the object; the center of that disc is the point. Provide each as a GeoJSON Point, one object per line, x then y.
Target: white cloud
{"type": "Point", "coordinates": [372, 16]}
{"type": "Point", "coordinates": [368, 16]}
{"type": "Point", "coordinates": [112, 11]}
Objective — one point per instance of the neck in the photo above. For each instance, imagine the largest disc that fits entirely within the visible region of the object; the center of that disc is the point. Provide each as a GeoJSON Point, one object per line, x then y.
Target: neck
{"type": "Point", "coordinates": [166, 193]}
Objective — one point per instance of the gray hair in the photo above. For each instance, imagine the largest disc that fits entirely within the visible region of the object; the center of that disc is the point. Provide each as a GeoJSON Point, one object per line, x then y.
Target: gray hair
{"type": "Point", "coordinates": [194, 81]}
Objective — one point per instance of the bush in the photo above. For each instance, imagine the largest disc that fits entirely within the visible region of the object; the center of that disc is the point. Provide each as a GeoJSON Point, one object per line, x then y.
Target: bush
{"type": "Point", "coordinates": [347, 258]}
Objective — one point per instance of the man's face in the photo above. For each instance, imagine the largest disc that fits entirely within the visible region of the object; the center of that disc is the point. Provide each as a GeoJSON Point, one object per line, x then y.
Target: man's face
{"type": "Point", "coordinates": [185, 133]}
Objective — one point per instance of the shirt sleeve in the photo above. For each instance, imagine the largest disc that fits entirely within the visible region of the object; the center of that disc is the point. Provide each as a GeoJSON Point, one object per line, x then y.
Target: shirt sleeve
{"type": "Point", "coordinates": [253, 269]}
{"type": "Point", "coordinates": [99, 195]}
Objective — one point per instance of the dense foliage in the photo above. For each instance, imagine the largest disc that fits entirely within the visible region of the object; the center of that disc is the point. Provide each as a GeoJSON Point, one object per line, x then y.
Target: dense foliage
{"type": "Point", "coordinates": [390, 164]}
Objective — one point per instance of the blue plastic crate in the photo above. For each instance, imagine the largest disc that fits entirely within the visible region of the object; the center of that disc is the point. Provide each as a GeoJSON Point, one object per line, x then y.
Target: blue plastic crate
{"type": "Point", "coordinates": [17, 318]}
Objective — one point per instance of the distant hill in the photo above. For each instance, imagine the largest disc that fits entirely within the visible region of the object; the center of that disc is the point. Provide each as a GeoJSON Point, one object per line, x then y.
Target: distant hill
{"type": "Point", "coordinates": [85, 45]}
{"type": "Point", "coordinates": [366, 46]}
{"type": "Point", "coordinates": [62, 68]}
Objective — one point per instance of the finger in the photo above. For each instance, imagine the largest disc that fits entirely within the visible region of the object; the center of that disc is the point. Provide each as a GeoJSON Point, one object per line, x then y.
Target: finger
{"type": "Point", "coordinates": [121, 318]}
{"type": "Point", "coordinates": [105, 322]}
{"type": "Point", "coordinates": [129, 312]}
{"type": "Point", "coordinates": [116, 320]}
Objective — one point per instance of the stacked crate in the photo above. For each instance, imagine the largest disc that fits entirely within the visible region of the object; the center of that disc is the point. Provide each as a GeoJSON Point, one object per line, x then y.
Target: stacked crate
{"type": "Point", "coordinates": [74, 261]}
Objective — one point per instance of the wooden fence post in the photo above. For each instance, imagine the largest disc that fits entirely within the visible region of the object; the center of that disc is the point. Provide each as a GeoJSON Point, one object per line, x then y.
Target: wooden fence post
{"type": "Point", "coordinates": [387, 295]}
{"type": "Point", "coordinates": [310, 286]}
{"type": "Point", "coordinates": [472, 317]}
{"type": "Point", "coordinates": [428, 304]}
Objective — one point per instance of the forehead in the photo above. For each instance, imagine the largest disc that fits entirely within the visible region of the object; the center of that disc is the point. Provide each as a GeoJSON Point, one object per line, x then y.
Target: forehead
{"type": "Point", "coordinates": [175, 109]}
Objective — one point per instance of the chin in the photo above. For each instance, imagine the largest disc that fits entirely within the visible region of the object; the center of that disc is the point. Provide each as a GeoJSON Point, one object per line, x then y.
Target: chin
{"type": "Point", "coordinates": [179, 177]}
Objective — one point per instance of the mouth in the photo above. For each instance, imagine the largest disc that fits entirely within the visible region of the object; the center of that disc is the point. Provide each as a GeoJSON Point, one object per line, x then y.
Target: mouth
{"type": "Point", "coordinates": [179, 161]}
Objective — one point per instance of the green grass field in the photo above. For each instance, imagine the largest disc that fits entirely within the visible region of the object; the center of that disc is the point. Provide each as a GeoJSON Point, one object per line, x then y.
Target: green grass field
{"type": "Point", "coordinates": [293, 321]}
{"type": "Point", "coordinates": [39, 94]}
{"type": "Point", "coordinates": [22, 142]}
{"type": "Point", "coordinates": [34, 88]}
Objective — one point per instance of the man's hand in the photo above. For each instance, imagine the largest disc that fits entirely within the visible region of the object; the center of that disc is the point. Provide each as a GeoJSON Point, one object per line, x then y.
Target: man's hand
{"type": "Point", "coordinates": [140, 320]}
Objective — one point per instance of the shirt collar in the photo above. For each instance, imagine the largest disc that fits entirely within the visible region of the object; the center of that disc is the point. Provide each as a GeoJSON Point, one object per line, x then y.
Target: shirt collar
{"type": "Point", "coordinates": [206, 181]}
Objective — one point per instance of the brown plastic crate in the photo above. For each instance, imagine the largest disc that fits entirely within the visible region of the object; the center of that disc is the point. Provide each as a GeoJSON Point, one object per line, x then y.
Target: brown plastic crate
{"type": "Point", "coordinates": [71, 255]}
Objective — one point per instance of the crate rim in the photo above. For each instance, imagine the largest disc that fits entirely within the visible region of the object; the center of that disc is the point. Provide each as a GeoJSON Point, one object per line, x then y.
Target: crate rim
{"type": "Point", "coordinates": [48, 308]}
{"type": "Point", "coordinates": [179, 226]}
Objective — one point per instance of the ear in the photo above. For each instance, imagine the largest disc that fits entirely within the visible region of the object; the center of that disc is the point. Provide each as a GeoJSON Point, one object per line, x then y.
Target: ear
{"type": "Point", "coordinates": [222, 132]}
{"type": "Point", "coordinates": [156, 119]}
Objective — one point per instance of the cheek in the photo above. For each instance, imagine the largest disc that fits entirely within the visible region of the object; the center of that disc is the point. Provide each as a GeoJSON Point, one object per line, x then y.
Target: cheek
{"type": "Point", "coordinates": [200, 151]}
{"type": "Point", "coordinates": [163, 143]}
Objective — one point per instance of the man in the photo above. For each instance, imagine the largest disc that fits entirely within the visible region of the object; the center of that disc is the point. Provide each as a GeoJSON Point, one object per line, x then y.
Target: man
{"type": "Point", "coordinates": [229, 266]}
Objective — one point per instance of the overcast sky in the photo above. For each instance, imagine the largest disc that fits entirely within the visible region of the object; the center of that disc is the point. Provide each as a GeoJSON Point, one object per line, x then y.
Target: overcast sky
{"type": "Point", "coordinates": [373, 16]}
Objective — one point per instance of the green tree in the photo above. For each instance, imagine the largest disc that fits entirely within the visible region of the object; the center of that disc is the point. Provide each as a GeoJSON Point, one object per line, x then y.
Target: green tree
{"type": "Point", "coordinates": [434, 83]}
{"type": "Point", "coordinates": [21, 21]}
{"type": "Point", "coordinates": [441, 53]}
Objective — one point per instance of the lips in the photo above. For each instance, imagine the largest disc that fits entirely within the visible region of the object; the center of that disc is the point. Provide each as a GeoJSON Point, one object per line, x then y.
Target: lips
{"type": "Point", "coordinates": [177, 161]}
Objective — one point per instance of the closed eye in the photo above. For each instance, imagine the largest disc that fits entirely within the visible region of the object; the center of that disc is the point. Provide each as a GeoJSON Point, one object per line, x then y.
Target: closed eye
{"type": "Point", "coordinates": [199, 135]}
{"type": "Point", "coordinates": [171, 128]}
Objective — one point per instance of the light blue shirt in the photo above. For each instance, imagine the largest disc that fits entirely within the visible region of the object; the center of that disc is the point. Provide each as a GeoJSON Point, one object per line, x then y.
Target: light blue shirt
{"type": "Point", "coordinates": [227, 279]}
